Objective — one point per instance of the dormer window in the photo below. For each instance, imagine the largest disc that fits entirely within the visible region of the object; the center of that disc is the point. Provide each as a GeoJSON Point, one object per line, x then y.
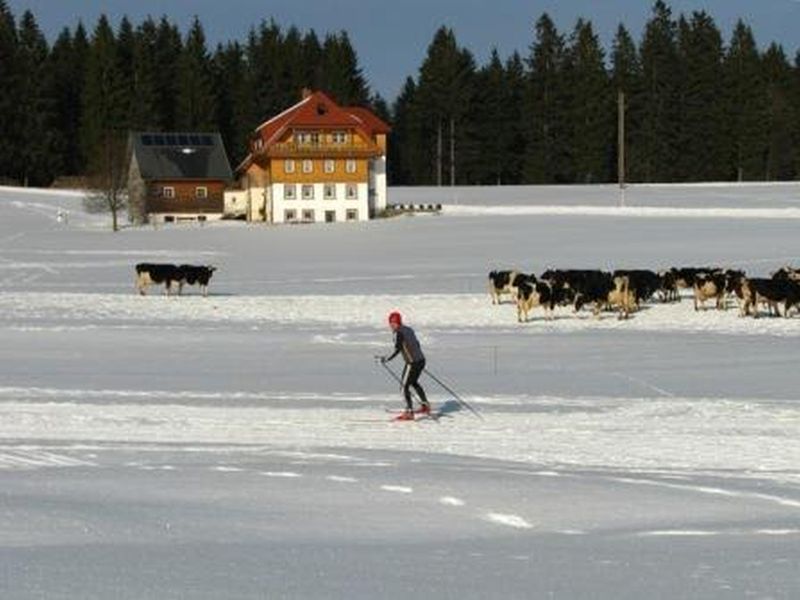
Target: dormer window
{"type": "Point", "coordinates": [339, 137]}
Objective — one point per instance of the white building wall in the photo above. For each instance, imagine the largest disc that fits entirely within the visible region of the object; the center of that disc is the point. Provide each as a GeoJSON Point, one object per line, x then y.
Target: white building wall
{"type": "Point", "coordinates": [377, 183]}
{"type": "Point", "coordinates": [319, 204]}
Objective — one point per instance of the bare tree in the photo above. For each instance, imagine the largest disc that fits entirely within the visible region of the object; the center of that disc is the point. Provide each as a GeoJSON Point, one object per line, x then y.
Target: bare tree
{"type": "Point", "coordinates": [107, 181]}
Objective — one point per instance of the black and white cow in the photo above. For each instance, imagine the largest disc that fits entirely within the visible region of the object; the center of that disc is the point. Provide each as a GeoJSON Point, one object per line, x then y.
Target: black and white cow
{"type": "Point", "coordinates": [501, 282]}
{"type": "Point", "coordinates": [707, 286]}
{"type": "Point", "coordinates": [771, 292]}
{"type": "Point", "coordinates": [169, 275]}
{"type": "Point", "coordinates": [148, 274]}
{"type": "Point", "coordinates": [683, 278]}
{"type": "Point", "coordinates": [643, 283]}
{"type": "Point", "coordinates": [532, 293]}
{"type": "Point", "coordinates": [608, 291]}
{"type": "Point", "coordinates": [191, 275]}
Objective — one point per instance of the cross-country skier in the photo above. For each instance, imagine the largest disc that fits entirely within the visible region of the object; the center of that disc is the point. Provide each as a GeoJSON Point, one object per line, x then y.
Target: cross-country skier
{"type": "Point", "coordinates": [406, 342]}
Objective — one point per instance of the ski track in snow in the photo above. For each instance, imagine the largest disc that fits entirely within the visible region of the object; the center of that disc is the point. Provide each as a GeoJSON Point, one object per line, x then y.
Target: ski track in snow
{"type": "Point", "coordinates": [670, 435]}
{"type": "Point", "coordinates": [430, 312]}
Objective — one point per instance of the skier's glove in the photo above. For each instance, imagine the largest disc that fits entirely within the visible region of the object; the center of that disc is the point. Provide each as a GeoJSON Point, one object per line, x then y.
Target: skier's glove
{"type": "Point", "coordinates": [383, 359]}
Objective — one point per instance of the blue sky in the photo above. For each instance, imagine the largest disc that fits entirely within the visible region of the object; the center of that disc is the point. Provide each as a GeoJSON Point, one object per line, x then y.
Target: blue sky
{"type": "Point", "coordinates": [391, 37]}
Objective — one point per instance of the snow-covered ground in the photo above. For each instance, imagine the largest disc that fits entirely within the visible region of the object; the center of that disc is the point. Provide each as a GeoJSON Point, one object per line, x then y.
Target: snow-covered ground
{"type": "Point", "coordinates": [238, 446]}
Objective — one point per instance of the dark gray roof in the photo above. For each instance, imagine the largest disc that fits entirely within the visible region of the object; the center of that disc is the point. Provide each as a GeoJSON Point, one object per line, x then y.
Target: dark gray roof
{"type": "Point", "coordinates": [181, 155]}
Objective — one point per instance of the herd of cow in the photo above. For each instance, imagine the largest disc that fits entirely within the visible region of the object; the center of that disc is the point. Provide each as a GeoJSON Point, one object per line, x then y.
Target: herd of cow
{"type": "Point", "coordinates": [626, 290]}
{"type": "Point", "coordinates": [148, 274]}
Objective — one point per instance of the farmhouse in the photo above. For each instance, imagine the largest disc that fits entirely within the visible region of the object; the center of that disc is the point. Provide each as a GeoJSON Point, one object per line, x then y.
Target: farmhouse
{"type": "Point", "coordinates": [177, 177]}
{"type": "Point", "coordinates": [314, 162]}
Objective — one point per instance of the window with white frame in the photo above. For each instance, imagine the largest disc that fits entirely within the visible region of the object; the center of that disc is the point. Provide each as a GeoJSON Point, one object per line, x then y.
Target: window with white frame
{"type": "Point", "coordinates": [350, 165]}
{"type": "Point", "coordinates": [289, 216]}
{"type": "Point", "coordinates": [308, 192]}
{"type": "Point", "coordinates": [308, 215]}
{"type": "Point", "coordinates": [329, 191]}
{"type": "Point", "coordinates": [330, 165]}
{"type": "Point", "coordinates": [351, 191]}
{"type": "Point", "coordinates": [288, 166]}
{"type": "Point", "coordinates": [168, 191]}
{"type": "Point", "coordinates": [289, 192]}
{"type": "Point", "coordinates": [308, 166]}
{"type": "Point", "coordinates": [201, 192]}
{"type": "Point", "coordinates": [352, 214]}
{"type": "Point", "coordinates": [303, 137]}
{"type": "Point", "coordinates": [339, 137]}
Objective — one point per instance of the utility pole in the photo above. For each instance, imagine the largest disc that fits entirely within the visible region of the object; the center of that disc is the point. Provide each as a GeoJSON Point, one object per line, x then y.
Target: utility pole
{"type": "Point", "coordinates": [621, 138]}
{"type": "Point", "coordinates": [452, 151]}
{"type": "Point", "coordinates": [439, 154]}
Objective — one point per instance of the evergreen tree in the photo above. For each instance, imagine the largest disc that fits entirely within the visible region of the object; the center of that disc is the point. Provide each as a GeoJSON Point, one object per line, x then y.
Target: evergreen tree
{"type": "Point", "coordinates": [196, 96]}
{"type": "Point", "coordinates": [168, 53]}
{"type": "Point", "coordinates": [37, 142]}
{"type": "Point", "coordinates": [492, 127]}
{"type": "Point", "coordinates": [589, 108]}
{"type": "Point", "coordinates": [657, 137]}
{"type": "Point", "coordinates": [104, 135]}
{"type": "Point", "coordinates": [514, 133]}
{"type": "Point", "coordinates": [232, 117]}
{"type": "Point", "coordinates": [701, 125]}
{"type": "Point", "coordinates": [626, 77]}
{"type": "Point", "coordinates": [796, 104]}
{"type": "Point", "coordinates": [145, 107]}
{"type": "Point", "coordinates": [444, 93]}
{"type": "Point", "coordinates": [263, 59]}
{"type": "Point", "coordinates": [746, 104]}
{"type": "Point", "coordinates": [545, 157]}
{"type": "Point", "coordinates": [9, 97]}
{"type": "Point", "coordinates": [126, 48]}
{"type": "Point", "coordinates": [781, 116]}
{"type": "Point", "coordinates": [342, 75]}
{"type": "Point", "coordinates": [67, 62]}
{"type": "Point", "coordinates": [404, 139]}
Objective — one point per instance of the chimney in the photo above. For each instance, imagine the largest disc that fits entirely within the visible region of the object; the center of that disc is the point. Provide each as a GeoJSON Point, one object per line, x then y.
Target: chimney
{"type": "Point", "coordinates": [305, 93]}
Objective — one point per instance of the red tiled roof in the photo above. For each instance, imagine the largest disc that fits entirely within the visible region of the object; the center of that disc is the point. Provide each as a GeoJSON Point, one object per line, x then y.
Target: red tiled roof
{"type": "Point", "coordinates": [368, 120]}
{"type": "Point", "coordinates": [317, 110]}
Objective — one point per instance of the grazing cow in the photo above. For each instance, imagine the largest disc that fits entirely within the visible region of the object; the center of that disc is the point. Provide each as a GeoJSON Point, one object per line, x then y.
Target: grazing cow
{"type": "Point", "coordinates": [707, 286]}
{"type": "Point", "coordinates": [787, 273]}
{"type": "Point", "coordinates": [532, 293]}
{"type": "Point", "coordinates": [570, 284]}
{"type": "Point", "coordinates": [684, 277]}
{"type": "Point", "coordinates": [191, 275]}
{"type": "Point", "coordinates": [501, 282]}
{"type": "Point", "coordinates": [155, 274]}
{"type": "Point", "coordinates": [643, 283]}
{"type": "Point", "coordinates": [771, 292]}
{"type": "Point", "coordinates": [608, 291]}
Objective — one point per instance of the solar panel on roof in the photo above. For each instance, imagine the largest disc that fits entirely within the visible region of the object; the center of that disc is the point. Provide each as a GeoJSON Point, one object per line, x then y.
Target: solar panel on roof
{"type": "Point", "coordinates": [147, 140]}
{"type": "Point", "coordinates": [158, 140]}
{"type": "Point", "coordinates": [170, 140]}
{"type": "Point", "coordinates": [183, 140]}
{"type": "Point", "coordinates": [195, 140]}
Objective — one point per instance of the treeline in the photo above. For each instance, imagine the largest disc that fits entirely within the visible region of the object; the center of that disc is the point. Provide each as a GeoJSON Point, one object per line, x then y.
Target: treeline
{"type": "Point", "coordinates": [66, 110]}
{"type": "Point", "coordinates": [698, 108]}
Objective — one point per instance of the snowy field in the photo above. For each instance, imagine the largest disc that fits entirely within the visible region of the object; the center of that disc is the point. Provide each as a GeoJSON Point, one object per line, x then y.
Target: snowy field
{"type": "Point", "coordinates": [238, 446]}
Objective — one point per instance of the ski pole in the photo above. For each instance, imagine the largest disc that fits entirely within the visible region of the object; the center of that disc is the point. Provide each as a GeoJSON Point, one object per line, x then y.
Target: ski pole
{"type": "Point", "coordinates": [458, 398]}
{"type": "Point", "coordinates": [395, 376]}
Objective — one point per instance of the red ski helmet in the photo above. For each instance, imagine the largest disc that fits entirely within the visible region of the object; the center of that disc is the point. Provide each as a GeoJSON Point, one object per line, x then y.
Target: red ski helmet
{"type": "Point", "coordinates": [395, 317]}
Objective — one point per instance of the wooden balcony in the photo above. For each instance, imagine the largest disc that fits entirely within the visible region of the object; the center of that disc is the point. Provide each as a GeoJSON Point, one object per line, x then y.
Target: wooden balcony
{"type": "Point", "coordinates": [292, 149]}
{"type": "Point", "coordinates": [191, 206]}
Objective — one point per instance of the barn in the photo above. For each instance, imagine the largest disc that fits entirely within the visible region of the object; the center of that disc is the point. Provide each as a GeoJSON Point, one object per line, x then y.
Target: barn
{"type": "Point", "coordinates": [175, 177]}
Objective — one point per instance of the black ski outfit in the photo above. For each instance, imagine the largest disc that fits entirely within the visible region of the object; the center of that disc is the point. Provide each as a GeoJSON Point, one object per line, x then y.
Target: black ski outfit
{"type": "Point", "coordinates": [406, 342]}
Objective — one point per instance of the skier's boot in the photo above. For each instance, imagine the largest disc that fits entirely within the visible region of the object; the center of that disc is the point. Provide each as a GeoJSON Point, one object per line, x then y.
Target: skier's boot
{"type": "Point", "coordinates": [424, 409]}
{"type": "Point", "coordinates": [406, 415]}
